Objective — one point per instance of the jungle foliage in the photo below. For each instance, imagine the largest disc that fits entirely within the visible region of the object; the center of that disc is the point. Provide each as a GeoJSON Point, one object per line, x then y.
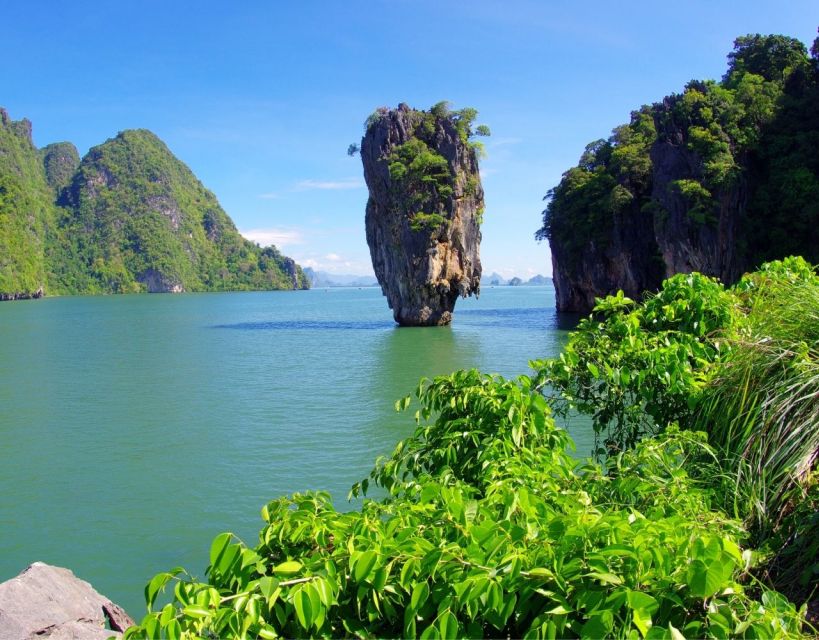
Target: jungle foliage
{"type": "Point", "coordinates": [758, 127]}
{"type": "Point", "coordinates": [26, 209]}
{"type": "Point", "coordinates": [423, 177]}
{"type": "Point", "coordinates": [487, 527]}
{"type": "Point", "coordinates": [128, 213]}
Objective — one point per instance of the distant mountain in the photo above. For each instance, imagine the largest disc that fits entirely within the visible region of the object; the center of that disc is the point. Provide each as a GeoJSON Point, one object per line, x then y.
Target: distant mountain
{"type": "Point", "coordinates": [493, 280]}
{"type": "Point", "coordinates": [129, 217]}
{"type": "Point", "coordinates": [323, 279]}
{"type": "Point", "coordinates": [538, 281]}
{"type": "Point", "coordinates": [497, 280]}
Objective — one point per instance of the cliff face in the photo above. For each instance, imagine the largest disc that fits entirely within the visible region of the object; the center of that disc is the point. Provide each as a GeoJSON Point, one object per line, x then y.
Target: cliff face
{"type": "Point", "coordinates": [627, 260]}
{"type": "Point", "coordinates": [691, 237]}
{"type": "Point", "coordinates": [717, 179]}
{"type": "Point", "coordinates": [423, 213]}
{"type": "Point", "coordinates": [25, 210]}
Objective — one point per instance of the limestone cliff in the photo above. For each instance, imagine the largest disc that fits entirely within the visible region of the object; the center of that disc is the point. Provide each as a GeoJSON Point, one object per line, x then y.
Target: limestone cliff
{"type": "Point", "coordinates": [25, 210]}
{"type": "Point", "coordinates": [716, 179]}
{"type": "Point", "coordinates": [424, 210]}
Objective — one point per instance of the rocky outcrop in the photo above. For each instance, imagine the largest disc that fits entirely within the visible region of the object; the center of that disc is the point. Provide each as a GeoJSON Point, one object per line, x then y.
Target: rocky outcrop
{"type": "Point", "coordinates": [628, 261]}
{"type": "Point", "coordinates": [659, 232]}
{"type": "Point", "coordinates": [688, 240]}
{"type": "Point", "coordinates": [60, 162]}
{"type": "Point", "coordinates": [423, 213]}
{"type": "Point", "coordinates": [27, 295]}
{"type": "Point", "coordinates": [717, 179]}
{"type": "Point", "coordinates": [51, 602]}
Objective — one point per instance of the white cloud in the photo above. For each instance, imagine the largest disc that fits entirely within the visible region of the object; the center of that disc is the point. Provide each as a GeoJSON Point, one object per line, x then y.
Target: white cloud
{"type": "Point", "coordinates": [269, 196]}
{"type": "Point", "coordinates": [279, 237]}
{"type": "Point", "coordinates": [329, 185]}
{"type": "Point", "coordinates": [334, 263]}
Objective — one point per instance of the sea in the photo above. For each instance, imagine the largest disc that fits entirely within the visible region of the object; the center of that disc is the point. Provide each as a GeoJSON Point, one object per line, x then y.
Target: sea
{"type": "Point", "coordinates": [135, 428]}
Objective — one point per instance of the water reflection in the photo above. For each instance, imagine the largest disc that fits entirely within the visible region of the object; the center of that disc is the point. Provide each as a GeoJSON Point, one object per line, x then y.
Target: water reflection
{"type": "Point", "coordinates": [308, 325]}
{"type": "Point", "coordinates": [399, 359]}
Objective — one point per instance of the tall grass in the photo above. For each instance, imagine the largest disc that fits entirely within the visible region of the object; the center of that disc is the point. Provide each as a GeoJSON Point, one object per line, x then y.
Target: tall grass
{"type": "Point", "coordinates": [761, 412]}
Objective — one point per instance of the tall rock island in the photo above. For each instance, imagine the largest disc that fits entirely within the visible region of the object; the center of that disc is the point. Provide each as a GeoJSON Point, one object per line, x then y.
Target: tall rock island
{"type": "Point", "coordinates": [717, 179]}
{"type": "Point", "coordinates": [424, 209]}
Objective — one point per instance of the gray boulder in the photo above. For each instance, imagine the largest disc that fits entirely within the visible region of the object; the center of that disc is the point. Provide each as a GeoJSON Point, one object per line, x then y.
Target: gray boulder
{"type": "Point", "coordinates": [51, 602]}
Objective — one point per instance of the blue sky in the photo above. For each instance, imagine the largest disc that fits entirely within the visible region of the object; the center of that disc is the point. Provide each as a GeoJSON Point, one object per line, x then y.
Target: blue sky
{"type": "Point", "coordinates": [261, 99]}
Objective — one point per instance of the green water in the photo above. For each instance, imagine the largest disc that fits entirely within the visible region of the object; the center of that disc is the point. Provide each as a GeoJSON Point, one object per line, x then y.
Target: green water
{"type": "Point", "coordinates": [133, 429]}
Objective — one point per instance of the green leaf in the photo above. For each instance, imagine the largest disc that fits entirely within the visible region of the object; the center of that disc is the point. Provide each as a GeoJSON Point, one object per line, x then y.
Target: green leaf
{"type": "Point", "coordinates": [448, 625]}
{"type": "Point", "coordinates": [419, 596]}
{"type": "Point", "coordinates": [593, 369]}
{"type": "Point", "coordinates": [363, 565]}
{"type": "Point", "coordinates": [194, 611]}
{"type": "Point", "coordinates": [156, 584]}
{"type": "Point", "coordinates": [642, 620]}
{"type": "Point", "coordinates": [605, 578]}
{"type": "Point", "coordinates": [704, 580]}
{"type": "Point", "coordinates": [288, 567]}
{"type": "Point", "coordinates": [304, 613]}
{"type": "Point", "coordinates": [675, 633]}
{"type": "Point", "coordinates": [599, 625]}
{"type": "Point", "coordinates": [268, 586]}
{"type": "Point", "coordinates": [640, 600]}
{"type": "Point", "coordinates": [218, 547]}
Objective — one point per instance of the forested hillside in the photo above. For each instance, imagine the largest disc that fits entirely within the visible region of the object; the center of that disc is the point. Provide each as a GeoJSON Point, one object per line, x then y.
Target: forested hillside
{"type": "Point", "coordinates": [129, 217]}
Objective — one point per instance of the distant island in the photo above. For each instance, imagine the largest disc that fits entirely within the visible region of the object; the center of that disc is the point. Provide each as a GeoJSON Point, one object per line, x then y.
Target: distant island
{"type": "Point", "coordinates": [324, 279]}
{"type": "Point", "coordinates": [497, 280]}
{"type": "Point", "coordinates": [129, 217]}
{"type": "Point", "coordinates": [327, 280]}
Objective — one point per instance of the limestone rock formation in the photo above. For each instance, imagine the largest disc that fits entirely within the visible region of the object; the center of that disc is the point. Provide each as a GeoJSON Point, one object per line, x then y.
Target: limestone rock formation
{"type": "Point", "coordinates": [129, 217]}
{"type": "Point", "coordinates": [717, 179]}
{"type": "Point", "coordinates": [25, 209]}
{"type": "Point", "coordinates": [60, 161]}
{"type": "Point", "coordinates": [51, 602]}
{"type": "Point", "coordinates": [424, 210]}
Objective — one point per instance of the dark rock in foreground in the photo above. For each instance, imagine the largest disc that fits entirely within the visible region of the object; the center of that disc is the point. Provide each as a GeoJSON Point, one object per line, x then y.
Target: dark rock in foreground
{"type": "Point", "coordinates": [51, 602]}
{"type": "Point", "coordinates": [424, 211]}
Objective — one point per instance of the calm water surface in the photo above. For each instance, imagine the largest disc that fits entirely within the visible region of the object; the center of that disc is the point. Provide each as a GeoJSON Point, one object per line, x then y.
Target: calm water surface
{"type": "Point", "coordinates": [133, 429]}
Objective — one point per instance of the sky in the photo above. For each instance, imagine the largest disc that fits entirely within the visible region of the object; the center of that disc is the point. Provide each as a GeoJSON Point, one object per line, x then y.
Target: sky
{"type": "Point", "coordinates": [262, 99]}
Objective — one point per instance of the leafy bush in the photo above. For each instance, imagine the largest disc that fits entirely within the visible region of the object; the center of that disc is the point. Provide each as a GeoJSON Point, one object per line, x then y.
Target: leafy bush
{"type": "Point", "coordinates": [489, 529]}
{"type": "Point", "coordinates": [637, 368]}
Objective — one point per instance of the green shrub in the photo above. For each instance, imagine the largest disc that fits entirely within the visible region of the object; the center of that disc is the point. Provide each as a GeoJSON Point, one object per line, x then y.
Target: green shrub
{"type": "Point", "coordinates": [637, 368]}
{"type": "Point", "coordinates": [489, 529]}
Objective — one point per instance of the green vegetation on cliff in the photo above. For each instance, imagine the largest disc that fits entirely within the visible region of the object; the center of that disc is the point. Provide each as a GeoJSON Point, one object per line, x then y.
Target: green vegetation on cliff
{"type": "Point", "coordinates": [137, 218]}
{"type": "Point", "coordinates": [737, 156]}
{"type": "Point", "coordinates": [487, 527]}
{"type": "Point", "coordinates": [423, 177]}
{"type": "Point", "coordinates": [25, 210]}
{"type": "Point", "coordinates": [130, 217]}
{"type": "Point", "coordinates": [60, 161]}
